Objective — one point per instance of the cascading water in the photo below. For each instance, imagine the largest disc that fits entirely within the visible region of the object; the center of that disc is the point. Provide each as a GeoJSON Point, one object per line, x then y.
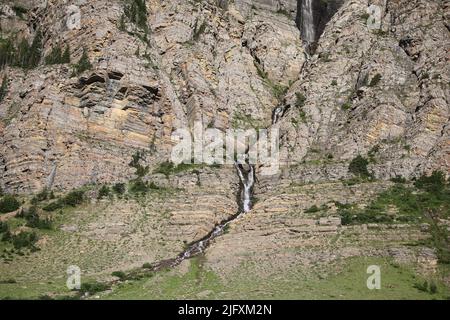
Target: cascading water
{"type": "Point", "coordinates": [247, 186]}
{"type": "Point", "coordinates": [307, 22]}
{"type": "Point", "coordinates": [247, 181]}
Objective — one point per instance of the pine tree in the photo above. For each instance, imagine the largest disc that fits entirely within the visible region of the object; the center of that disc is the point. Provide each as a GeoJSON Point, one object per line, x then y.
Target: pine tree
{"type": "Point", "coordinates": [35, 51]}
{"type": "Point", "coordinates": [66, 55]}
{"type": "Point", "coordinates": [55, 56]}
{"type": "Point", "coordinates": [23, 52]}
{"type": "Point", "coordinates": [84, 63]}
{"type": "Point", "coordinates": [7, 52]}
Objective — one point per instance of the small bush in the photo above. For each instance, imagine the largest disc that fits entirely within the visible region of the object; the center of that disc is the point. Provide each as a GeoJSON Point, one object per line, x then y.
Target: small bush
{"type": "Point", "coordinates": [434, 183]}
{"type": "Point", "coordinates": [4, 227]}
{"type": "Point", "coordinates": [422, 286]}
{"type": "Point", "coordinates": [358, 167]}
{"type": "Point", "coordinates": [41, 196]}
{"type": "Point", "coordinates": [147, 265]}
{"type": "Point", "coordinates": [93, 287]}
{"type": "Point", "coordinates": [8, 204]}
{"type": "Point", "coordinates": [139, 186]}
{"type": "Point", "coordinates": [313, 209]}
{"type": "Point", "coordinates": [119, 274]}
{"type": "Point", "coordinates": [34, 220]}
{"type": "Point", "coordinates": [375, 80]}
{"type": "Point", "coordinates": [19, 11]}
{"type": "Point", "coordinates": [53, 206]}
{"type": "Point", "coordinates": [24, 239]}
{"type": "Point", "coordinates": [119, 188]}
{"type": "Point", "coordinates": [104, 192]}
{"type": "Point", "coordinates": [346, 106]}
{"type": "Point", "coordinates": [74, 198]}
{"type": "Point", "coordinates": [300, 100]}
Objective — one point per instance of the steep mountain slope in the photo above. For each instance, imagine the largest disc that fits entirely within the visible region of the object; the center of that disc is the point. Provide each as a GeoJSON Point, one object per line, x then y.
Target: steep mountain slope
{"type": "Point", "coordinates": [139, 72]}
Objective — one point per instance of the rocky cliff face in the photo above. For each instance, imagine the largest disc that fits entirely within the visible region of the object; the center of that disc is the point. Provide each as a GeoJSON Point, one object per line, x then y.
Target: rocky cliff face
{"type": "Point", "coordinates": [136, 76]}
{"type": "Point", "coordinates": [220, 63]}
{"type": "Point", "coordinates": [383, 92]}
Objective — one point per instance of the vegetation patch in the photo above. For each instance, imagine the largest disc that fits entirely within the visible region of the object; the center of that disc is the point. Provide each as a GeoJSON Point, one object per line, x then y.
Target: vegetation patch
{"type": "Point", "coordinates": [19, 53]}
{"type": "Point", "coordinates": [83, 64]}
{"type": "Point", "coordinates": [358, 167]}
{"type": "Point", "coordinates": [405, 204]}
{"type": "Point", "coordinates": [9, 203]}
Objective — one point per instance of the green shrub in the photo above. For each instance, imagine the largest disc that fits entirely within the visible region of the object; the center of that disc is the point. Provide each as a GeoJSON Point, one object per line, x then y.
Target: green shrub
{"type": "Point", "coordinates": [313, 209]}
{"type": "Point", "coordinates": [119, 274]}
{"type": "Point", "coordinates": [6, 236]}
{"type": "Point", "coordinates": [24, 239]}
{"type": "Point", "coordinates": [53, 206]}
{"type": "Point", "coordinates": [138, 186]}
{"type": "Point", "coordinates": [4, 227]}
{"type": "Point", "coordinates": [93, 287]}
{"type": "Point", "coordinates": [375, 80]}
{"type": "Point", "coordinates": [19, 11]}
{"type": "Point", "coordinates": [74, 198]}
{"type": "Point", "coordinates": [300, 100]}
{"type": "Point", "coordinates": [1, 192]}
{"type": "Point", "coordinates": [439, 240]}
{"type": "Point", "coordinates": [135, 163]}
{"type": "Point", "coordinates": [346, 106]}
{"type": "Point", "coordinates": [54, 57]}
{"type": "Point", "coordinates": [168, 168]}
{"type": "Point", "coordinates": [41, 196]}
{"type": "Point", "coordinates": [358, 167]}
{"type": "Point", "coordinates": [422, 286]}
{"type": "Point", "coordinates": [435, 183]}
{"type": "Point", "coordinates": [104, 191]}
{"type": "Point", "coordinates": [9, 204]}
{"type": "Point", "coordinates": [147, 265]}
{"type": "Point", "coordinates": [119, 188]}
{"type": "Point", "coordinates": [34, 220]}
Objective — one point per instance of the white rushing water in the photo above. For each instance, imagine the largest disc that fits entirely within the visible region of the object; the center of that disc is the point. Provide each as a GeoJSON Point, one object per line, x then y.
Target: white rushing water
{"type": "Point", "coordinates": [308, 32]}
{"type": "Point", "coordinates": [247, 184]}
{"type": "Point", "coordinates": [247, 179]}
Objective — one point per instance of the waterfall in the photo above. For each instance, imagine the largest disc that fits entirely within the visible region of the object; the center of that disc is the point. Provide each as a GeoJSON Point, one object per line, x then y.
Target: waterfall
{"type": "Point", "coordinates": [247, 185]}
{"type": "Point", "coordinates": [307, 22]}
{"type": "Point", "coordinates": [247, 179]}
